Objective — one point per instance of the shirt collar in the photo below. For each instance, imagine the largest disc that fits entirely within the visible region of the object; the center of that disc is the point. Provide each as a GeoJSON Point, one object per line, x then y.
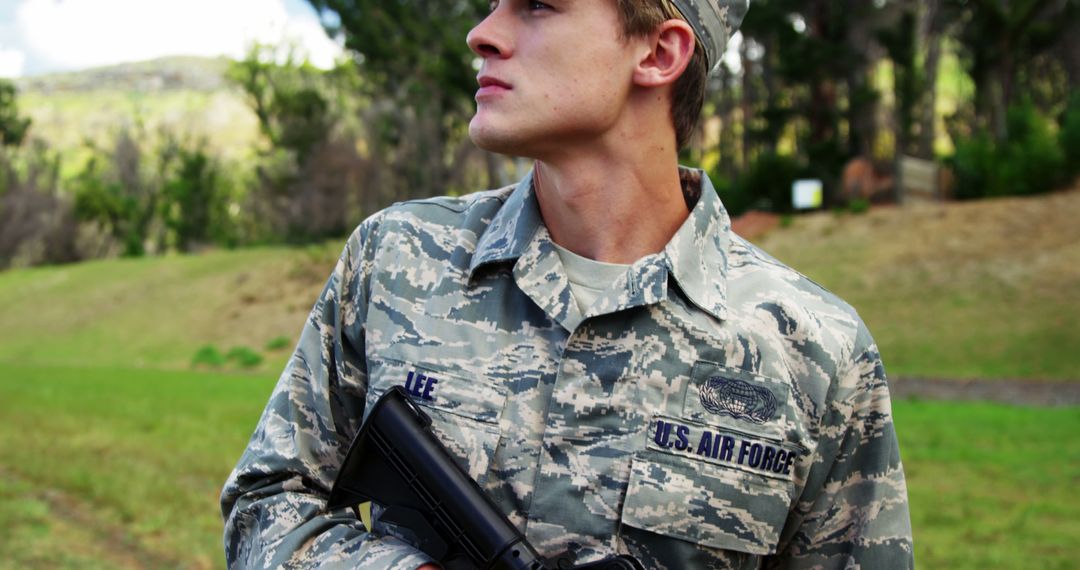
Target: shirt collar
{"type": "Point", "coordinates": [696, 256]}
{"type": "Point", "coordinates": [512, 228]}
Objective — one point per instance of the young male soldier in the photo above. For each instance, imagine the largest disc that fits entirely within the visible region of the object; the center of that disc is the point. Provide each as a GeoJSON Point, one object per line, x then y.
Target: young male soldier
{"type": "Point", "coordinates": [619, 371]}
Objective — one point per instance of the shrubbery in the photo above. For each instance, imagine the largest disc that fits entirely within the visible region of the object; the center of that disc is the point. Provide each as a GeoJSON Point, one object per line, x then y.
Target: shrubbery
{"type": "Point", "coordinates": [240, 356]}
{"type": "Point", "coordinates": [155, 194]}
{"type": "Point", "coordinates": [765, 186]}
{"type": "Point", "coordinates": [208, 355]}
{"type": "Point", "coordinates": [1069, 136]}
{"type": "Point", "coordinates": [1030, 160]}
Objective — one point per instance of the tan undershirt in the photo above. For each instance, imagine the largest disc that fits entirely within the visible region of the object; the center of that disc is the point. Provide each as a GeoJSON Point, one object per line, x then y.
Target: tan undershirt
{"type": "Point", "coordinates": [588, 278]}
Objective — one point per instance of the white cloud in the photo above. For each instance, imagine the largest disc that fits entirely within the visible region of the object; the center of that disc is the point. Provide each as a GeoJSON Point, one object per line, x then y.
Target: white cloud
{"type": "Point", "coordinates": [11, 62]}
{"type": "Point", "coordinates": [72, 34]}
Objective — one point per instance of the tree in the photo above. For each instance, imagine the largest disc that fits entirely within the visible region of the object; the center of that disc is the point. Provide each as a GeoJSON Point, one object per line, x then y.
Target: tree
{"type": "Point", "coordinates": [934, 23]}
{"type": "Point", "coordinates": [287, 98]}
{"type": "Point", "coordinates": [36, 221]}
{"type": "Point", "coordinates": [13, 127]}
{"type": "Point", "coordinates": [192, 203]}
{"type": "Point", "coordinates": [768, 24]}
{"type": "Point", "coordinates": [998, 36]}
{"type": "Point", "coordinates": [414, 56]}
{"type": "Point", "coordinates": [310, 168]}
{"type": "Point", "coordinates": [112, 190]}
{"type": "Point", "coordinates": [148, 194]}
{"type": "Point", "coordinates": [901, 42]}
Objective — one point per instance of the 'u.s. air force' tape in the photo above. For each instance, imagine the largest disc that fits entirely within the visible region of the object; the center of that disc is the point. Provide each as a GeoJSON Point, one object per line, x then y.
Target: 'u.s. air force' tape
{"type": "Point", "coordinates": [723, 446]}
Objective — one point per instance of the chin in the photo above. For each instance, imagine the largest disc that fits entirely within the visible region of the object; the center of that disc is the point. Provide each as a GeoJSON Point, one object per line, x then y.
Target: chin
{"type": "Point", "coordinates": [495, 140]}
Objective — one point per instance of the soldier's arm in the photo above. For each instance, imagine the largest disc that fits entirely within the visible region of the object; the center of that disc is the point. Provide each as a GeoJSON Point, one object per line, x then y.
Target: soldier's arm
{"type": "Point", "coordinates": [854, 509]}
{"type": "Point", "coordinates": [274, 501]}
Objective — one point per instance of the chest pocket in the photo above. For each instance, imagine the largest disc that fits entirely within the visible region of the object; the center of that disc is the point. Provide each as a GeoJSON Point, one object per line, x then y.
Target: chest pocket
{"type": "Point", "coordinates": [716, 479]}
{"type": "Point", "coordinates": [465, 412]}
{"type": "Point", "coordinates": [671, 500]}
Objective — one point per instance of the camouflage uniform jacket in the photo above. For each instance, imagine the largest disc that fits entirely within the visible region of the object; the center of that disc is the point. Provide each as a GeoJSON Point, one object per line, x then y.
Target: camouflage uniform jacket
{"type": "Point", "coordinates": [715, 409]}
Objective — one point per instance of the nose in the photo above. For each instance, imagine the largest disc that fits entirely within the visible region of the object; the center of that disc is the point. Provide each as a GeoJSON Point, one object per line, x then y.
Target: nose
{"type": "Point", "coordinates": [487, 39]}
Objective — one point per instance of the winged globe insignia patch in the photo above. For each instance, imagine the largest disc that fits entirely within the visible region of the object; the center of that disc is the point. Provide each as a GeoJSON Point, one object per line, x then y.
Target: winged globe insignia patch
{"type": "Point", "coordinates": [738, 399]}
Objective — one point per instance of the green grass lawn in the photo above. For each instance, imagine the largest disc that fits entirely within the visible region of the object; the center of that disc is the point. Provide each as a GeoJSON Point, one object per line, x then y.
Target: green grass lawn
{"type": "Point", "coordinates": [987, 289]}
{"type": "Point", "coordinates": [991, 486]}
{"type": "Point", "coordinates": [114, 467]}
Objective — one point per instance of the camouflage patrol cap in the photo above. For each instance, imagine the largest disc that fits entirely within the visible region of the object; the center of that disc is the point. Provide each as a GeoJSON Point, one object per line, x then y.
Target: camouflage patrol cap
{"type": "Point", "coordinates": [713, 21]}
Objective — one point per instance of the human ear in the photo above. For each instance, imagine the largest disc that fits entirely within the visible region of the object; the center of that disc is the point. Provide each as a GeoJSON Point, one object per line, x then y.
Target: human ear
{"type": "Point", "coordinates": [671, 46]}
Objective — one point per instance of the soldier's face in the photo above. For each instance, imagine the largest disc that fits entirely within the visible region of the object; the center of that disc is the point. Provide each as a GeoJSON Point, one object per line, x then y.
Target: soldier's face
{"type": "Point", "coordinates": [556, 75]}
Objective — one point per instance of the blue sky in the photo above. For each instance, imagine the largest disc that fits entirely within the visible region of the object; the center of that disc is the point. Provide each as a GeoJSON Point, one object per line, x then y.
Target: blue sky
{"type": "Point", "coordinates": [43, 36]}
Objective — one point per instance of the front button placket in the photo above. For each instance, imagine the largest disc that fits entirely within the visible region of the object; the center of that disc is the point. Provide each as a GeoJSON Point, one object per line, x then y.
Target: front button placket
{"type": "Point", "coordinates": [592, 419]}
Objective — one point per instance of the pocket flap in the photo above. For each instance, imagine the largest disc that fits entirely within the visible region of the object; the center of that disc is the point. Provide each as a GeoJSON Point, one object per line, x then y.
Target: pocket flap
{"type": "Point", "coordinates": [707, 505]}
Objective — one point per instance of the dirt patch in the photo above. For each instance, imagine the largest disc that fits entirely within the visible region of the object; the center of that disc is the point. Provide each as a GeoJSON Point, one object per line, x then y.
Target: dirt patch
{"type": "Point", "coordinates": [1012, 235]}
{"type": "Point", "coordinates": [1019, 392]}
{"type": "Point", "coordinates": [754, 224]}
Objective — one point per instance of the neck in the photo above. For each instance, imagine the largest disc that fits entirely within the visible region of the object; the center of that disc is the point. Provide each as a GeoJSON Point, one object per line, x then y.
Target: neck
{"type": "Point", "coordinates": [615, 207]}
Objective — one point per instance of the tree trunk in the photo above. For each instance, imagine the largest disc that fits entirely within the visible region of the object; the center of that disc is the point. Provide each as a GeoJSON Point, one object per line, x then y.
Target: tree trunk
{"type": "Point", "coordinates": [822, 91]}
{"type": "Point", "coordinates": [862, 105]}
{"type": "Point", "coordinates": [768, 80]}
{"type": "Point", "coordinates": [930, 32]}
{"type": "Point", "coordinates": [1070, 48]}
{"type": "Point", "coordinates": [997, 102]}
{"type": "Point", "coordinates": [747, 104]}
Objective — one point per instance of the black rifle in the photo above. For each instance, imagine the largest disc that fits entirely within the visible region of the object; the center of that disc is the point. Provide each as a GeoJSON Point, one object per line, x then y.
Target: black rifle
{"type": "Point", "coordinates": [396, 462]}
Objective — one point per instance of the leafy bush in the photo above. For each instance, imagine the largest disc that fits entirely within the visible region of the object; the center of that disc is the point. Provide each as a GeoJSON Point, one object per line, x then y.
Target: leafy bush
{"type": "Point", "coordinates": [1028, 161]}
{"type": "Point", "coordinates": [735, 201]}
{"type": "Point", "coordinates": [277, 343]}
{"type": "Point", "coordinates": [765, 186]}
{"type": "Point", "coordinates": [155, 194]}
{"type": "Point", "coordinates": [859, 206]}
{"type": "Point", "coordinates": [208, 355]}
{"type": "Point", "coordinates": [974, 164]}
{"type": "Point", "coordinates": [13, 125]}
{"type": "Point", "coordinates": [36, 220]}
{"type": "Point", "coordinates": [244, 357]}
{"type": "Point", "coordinates": [192, 203]}
{"type": "Point", "coordinates": [1031, 161]}
{"type": "Point", "coordinates": [1069, 136]}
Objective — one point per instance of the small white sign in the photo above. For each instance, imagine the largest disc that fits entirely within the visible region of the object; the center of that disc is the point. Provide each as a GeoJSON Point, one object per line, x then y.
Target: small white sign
{"type": "Point", "coordinates": [807, 194]}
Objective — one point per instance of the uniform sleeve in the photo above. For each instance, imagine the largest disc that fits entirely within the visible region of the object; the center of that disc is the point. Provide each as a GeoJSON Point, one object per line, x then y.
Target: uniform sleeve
{"type": "Point", "coordinates": [854, 509]}
{"type": "Point", "coordinates": [274, 501]}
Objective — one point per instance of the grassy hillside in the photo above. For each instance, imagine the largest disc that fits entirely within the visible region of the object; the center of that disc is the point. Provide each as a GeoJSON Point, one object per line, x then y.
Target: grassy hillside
{"type": "Point", "coordinates": [160, 74]}
{"type": "Point", "coordinates": [985, 289]}
{"type": "Point", "coordinates": [188, 97]}
{"type": "Point", "coordinates": [158, 312]}
{"type": "Point", "coordinates": [989, 289]}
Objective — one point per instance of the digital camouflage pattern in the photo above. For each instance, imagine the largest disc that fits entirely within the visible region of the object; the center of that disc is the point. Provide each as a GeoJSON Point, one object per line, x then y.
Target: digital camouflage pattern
{"type": "Point", "coordinates": [714, 22]}
{"type": "Point", "coordinates": [593, 440]}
